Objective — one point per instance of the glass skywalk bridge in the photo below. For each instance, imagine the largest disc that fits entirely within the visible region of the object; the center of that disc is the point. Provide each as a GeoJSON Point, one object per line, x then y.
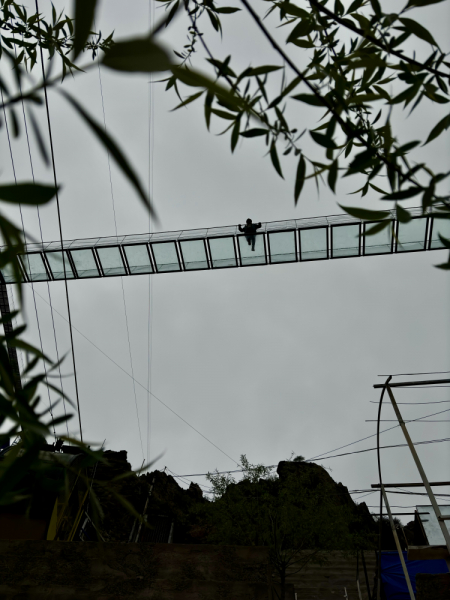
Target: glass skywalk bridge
{"type": "Point", "coordinates": [300, 240]}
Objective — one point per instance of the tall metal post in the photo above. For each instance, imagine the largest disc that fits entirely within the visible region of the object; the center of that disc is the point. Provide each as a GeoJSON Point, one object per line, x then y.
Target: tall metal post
{"type": "Point", "coordinates": [397, 543]}
{"type": "Point", "coordinates": [7, 326]}
{"type": "Point", "coordinates": [426, 483]}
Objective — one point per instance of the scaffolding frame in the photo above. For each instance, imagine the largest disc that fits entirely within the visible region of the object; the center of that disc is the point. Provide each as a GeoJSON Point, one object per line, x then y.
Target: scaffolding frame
{"type": "Point", "coordinates": [387, 386]}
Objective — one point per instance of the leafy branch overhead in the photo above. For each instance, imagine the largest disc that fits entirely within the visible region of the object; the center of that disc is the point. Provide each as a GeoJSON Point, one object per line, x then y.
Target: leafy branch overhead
{"type": "Point", "coordinates": [359, 73]}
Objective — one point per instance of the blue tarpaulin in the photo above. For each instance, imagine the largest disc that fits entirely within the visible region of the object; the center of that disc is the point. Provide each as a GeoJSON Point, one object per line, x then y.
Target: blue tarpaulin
{"type": "Point", "coordinates": [393, 578]}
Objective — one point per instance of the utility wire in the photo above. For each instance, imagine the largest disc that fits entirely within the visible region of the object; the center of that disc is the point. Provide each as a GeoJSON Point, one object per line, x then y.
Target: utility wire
{"type": "Point", "coordinates": [333, 456]}
{"type": "Point", "coordinates": [121, 278]}
{"type": "Point", "coordinates": [48, 284]}
{"type": "Point", "coordinates": [207, 489]}
{"type": "Point", "coordinates": [419, 419]}
{"type": "Point", "coordinates": [413, 403]}
{"type": "Point", "coordinates": [368, 437]}
{"type": "Point", "coordinates": [151, 146]}
{"type": "Point", "coordinates": [412, 374]}
{"type": "Point", "coordinates": [25, 242]}
{"type": "Point", "coordinates": [52, 152]}
{"type": "Point", "coordinates": [140, 384]}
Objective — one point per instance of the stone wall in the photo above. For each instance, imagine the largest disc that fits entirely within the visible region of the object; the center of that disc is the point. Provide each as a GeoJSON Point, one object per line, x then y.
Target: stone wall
{"type": "Point", "coordinates": [106, 571]}
{"type": "Point", "coordinates": [433, 587]}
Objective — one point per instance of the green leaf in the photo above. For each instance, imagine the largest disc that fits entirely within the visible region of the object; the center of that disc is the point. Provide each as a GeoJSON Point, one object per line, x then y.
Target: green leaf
{"type": "Point", "coordinates": [215, 22]}
{"type": "Point", "coordinates": [403, 215]}
{"type": "Point", "coordinates": [361, 161]}
{"type": "Point", "coordinates": [355, 5]}
{"type": "Point", "coordinates": [114, 151]}
{"type": "Point", "coordinates": [188, 100]}
{"type": "Point", "coordinates": [254, 132]}
{"type": "Point", "coordinates": [361, 98]}
{"type": "Point", "coordinates": [262, 70]}
{"type": "Point", "coordinates": [402, 194]}
{"type": "Point", "coordinates": [437, 98]}
{"type": "Point", "coordinates": [227, 10]}
{"type": "Point", "coordinates": [382, 92]}
{"type": "Point", "coordinates": [376, 7]}
{"type": "Point", "coordinates": [418, 30]}
{"type": "Point", "coordinates": [309, 99]}
{"type": "Point", "coordinates": [444, 241]}
{"type": "Point", "coordinates": [377, 228]}
{"type": "Point", "coordinates": [428, 194]}
{"type": "Point", "coordinates": [208, 104]}
{"type": "Point", "coordinates": [365, 214]}
{"type": "Point", "coordinates": [407, 95]}
{"type": "Point", "coordinates": [196, 79]}
{"type": "Point", "coordinates": [275, 160]}
{"type": "Point", "coordinates": [300, 177]}
{"type": "Point", "coordinates": [332, 175]}
{"type": "Point", "coordinates": [406, 148]}
{"type": "Point", "coordinates": [303, 43]}
{"type": "Point", "coordinates": [84, 18]}
{"type": "Point", "coordinates": [422, 2]}
{"type": "Point", "coordinates": [14, 123]}
{"type": "Point", "coordinates": [223, 114]}
{"type": "Point", "coordinates": [27, 193]}
{"type": "Point", "coordinates": [444, 266]}
{"type": "Point", "coordinates": [322, 139]}
{"type": "Point", "coordinates": [235, 134]}
{"type": "Point", "coordinates": [377, 189]}
{"type": "Point", "coordinates": [300, 30]}
{"type": "Point", "coordinates": [138, 55]}
{"type": "Point", "coordinates": [172, 13]}
{"type": "Point", "coordinates": [438, 129]}
{"type": "Point", "coordinates": [292, 9]}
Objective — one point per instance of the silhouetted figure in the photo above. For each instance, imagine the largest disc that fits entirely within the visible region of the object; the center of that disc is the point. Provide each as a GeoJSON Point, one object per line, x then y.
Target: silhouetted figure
{"type": "Point", "coordinates": [250, 230]}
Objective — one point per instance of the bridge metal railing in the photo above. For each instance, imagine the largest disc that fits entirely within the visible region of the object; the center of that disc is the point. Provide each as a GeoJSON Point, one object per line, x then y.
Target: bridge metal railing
{"type": "Point", "coordinates": [296, 240]}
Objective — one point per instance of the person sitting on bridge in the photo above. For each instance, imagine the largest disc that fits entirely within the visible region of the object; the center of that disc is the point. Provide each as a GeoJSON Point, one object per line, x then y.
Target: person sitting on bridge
{"type": "Point", "coordinates": [250, 230]}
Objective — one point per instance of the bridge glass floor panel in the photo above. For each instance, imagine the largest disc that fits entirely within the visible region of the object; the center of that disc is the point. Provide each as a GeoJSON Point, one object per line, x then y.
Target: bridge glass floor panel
{"type": "Point", "coordinates": [56, 264]}
{"type": "Point", "coordinates": [314, 243]}
{"type": "Point", "coordinates": [439, 226]}
{"type": "Point", "coordinates": [282, 246]}
{"type": "Point", "coordinates": [345, 240]}
{"type": "Point", "coordinates": [252, 254]}
{"type": "Point", "coordinates": [313, 239]}
{"type": "Point", "coordinates": [138, 259]}
{"type": "Point", "coordinates": [412, 235]}
{"type": "Point", "coordinates": [111, 261]}
{"type": "Point", "coordinates": [84, 262]}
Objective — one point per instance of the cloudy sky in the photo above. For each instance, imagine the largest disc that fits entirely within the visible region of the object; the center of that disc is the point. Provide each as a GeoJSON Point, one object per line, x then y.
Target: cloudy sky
{"type": "Point", "coordinates": [261, 361]}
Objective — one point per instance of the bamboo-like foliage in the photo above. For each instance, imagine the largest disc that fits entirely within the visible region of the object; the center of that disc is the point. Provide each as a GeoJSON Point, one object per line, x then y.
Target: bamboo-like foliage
{"type": "Point", "coordinates": [354, 55]}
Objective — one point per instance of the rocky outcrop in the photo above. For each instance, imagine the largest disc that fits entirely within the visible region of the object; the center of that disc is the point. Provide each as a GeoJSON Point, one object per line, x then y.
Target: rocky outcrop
{"type": "Point", "coordinates": [169, 503]}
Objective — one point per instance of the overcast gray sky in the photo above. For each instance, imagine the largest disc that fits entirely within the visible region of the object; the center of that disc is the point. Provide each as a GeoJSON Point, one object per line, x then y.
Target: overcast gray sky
{"type": "Point", "coordinates": [262, 361]}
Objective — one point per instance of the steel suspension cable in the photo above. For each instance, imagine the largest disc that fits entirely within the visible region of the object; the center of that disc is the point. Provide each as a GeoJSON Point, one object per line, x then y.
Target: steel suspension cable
{"type": "Point", "coordinates": [24, 240]}
{"type": "Point", "coordinates": [52, 153]}
{"type": "Point", "coordinates": [48, 285]}
{"type": "Point", "coordinates": [121, 278]}
{"type": "Point", "coordinates": [151, 146]}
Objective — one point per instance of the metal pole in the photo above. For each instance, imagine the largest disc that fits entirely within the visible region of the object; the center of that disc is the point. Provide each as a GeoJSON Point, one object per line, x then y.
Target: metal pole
{"type": "Point", "coordinates": [426, 483]}
{"type": "Point", "coordinates": [170, 540]}
{"type": "Point", "coordinates": [412, 383]}
{"type": "Point", "coordinates": [397, 543]}
{"type": "Point", "coordinates": [8, 328]}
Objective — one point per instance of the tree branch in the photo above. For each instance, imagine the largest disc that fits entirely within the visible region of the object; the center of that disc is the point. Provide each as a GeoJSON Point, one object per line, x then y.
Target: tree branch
{"type": "Point", "coordinates": [323, 100]}
{"type": "Point", "coordinates": [349, 25]}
